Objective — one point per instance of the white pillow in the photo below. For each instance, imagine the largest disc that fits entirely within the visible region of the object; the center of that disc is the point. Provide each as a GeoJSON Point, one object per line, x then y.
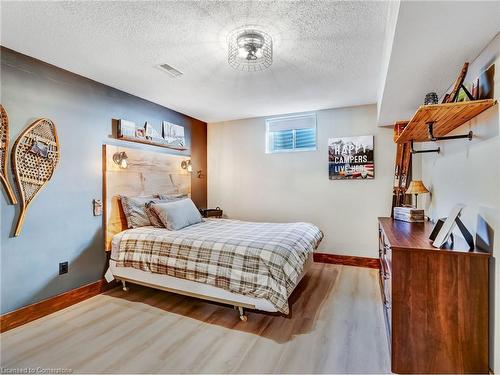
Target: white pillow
{"type": "Point", "coordinates": [177, 214]}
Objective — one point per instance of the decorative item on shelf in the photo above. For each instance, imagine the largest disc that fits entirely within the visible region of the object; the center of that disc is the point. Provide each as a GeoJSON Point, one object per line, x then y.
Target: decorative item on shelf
{"type": "Point", "coordinates": [126, 129]}
{"type": "Point", "coordinates": [351, 158]}
{"type": "Point", "coordinates": [152, 134]}
{"type": "Point", "coordinates": [4, 155]}
{"type": "Point", "coordinates": [186, 164]}
{"type": "Point", "coordinates": [465, 95]}
{"type": "Point", "coordinates": [475, 90]}
{"type": "Point", "coordinates": [431, 98]}
{"type": "Point", "coordinates": [121, 159]}
{"type": "Point", "coordinates": [35, 157]}
{"type": "Point", "coordinates": [173, 134]}
{"type": "Point", "coordinates": [485, 83]}
{"type": "Point", "coordinates": [416, 187]}
{"type": "Point", "coordinates": [459, 84]}
{"type": "Point", "coordinates": [250, 49]}
{"type": "Point", "coordinates": [140, 133]}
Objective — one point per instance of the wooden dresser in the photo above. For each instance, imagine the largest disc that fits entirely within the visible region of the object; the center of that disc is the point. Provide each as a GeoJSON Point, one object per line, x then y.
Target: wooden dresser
{"type": "Point", "coordinates": [435, 301]}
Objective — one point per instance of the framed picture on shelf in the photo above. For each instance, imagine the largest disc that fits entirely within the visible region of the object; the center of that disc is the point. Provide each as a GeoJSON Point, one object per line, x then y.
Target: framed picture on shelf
{"type": "Point", "coordinates": [126, 129]}
{"type": "Point", "coordinates": [173, 134]}
{"type": "Point", "coordinates": [351, 158]}
{"type": "Point", "coordinates": [485, 83]}
{"type": "Point", "coordinates": [151, 133]}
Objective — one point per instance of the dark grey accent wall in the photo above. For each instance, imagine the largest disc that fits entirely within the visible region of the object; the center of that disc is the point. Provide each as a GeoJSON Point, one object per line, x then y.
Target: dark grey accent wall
{"type": "Point", "coordinates": [59, 225]}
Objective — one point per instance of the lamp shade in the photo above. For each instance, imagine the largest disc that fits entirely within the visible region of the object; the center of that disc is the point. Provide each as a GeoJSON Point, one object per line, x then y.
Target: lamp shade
{"type": "Point", "coordinates": [416, 187]}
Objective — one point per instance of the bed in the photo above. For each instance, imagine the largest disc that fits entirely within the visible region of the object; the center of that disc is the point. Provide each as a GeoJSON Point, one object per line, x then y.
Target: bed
{"type": "Point", "coordinates": [244, 264]}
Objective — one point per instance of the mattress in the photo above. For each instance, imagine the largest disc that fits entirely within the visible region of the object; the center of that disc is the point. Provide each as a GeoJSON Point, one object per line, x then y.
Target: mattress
{"type": "Point", "coordinates": [260, 260]}
{"type": "Point", "coordinates": [193, 288]}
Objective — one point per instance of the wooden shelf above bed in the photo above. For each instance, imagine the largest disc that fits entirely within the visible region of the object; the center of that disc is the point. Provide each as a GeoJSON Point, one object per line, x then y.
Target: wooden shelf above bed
{"type": "Point", "coordinates": [443, 117]}
{"type": "Point", "coordinates": [151, 143]}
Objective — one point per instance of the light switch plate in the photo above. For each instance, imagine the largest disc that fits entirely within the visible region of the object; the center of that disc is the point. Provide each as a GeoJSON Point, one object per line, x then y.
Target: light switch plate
{"type": "Point", "coordinates": [97, 207]}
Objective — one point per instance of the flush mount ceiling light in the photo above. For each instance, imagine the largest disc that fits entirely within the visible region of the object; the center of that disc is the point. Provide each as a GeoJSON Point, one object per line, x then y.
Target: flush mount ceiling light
{"type": "Point", "coordinates": [250, 49]}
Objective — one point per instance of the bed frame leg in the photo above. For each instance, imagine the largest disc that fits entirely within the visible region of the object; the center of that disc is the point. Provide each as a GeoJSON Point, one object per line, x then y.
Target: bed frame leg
{"type": "Point", "coordinates": [124, 286]}
{"type": "Point", "coordinates": [243, 317]}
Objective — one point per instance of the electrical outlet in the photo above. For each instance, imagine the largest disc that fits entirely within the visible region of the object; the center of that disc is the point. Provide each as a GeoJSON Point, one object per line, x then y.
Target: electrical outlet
{"type": "Point", "coordinates": [63, 268]}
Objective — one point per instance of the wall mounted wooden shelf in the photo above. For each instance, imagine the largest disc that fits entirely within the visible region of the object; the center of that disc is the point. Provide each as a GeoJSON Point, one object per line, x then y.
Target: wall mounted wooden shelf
{"type": "Point", "coordinates": [443, 118]}
{"type": "Point", "coordinates": [151, 143]}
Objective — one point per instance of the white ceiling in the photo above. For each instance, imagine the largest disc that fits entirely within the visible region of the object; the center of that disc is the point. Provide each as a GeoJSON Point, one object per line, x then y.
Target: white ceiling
{"type": "Point", "coordinates": [326, 54]}
{"type": "Point", "coordinates": [431, 41]}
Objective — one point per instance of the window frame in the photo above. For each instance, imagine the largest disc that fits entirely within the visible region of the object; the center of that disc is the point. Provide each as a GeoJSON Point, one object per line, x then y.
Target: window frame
{"type": "Point", "coordinates": [294, 149]}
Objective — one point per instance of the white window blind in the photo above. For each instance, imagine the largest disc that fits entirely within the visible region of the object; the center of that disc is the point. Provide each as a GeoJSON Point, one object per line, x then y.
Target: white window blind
{"type": "Point", "coordinates": [291, 133]}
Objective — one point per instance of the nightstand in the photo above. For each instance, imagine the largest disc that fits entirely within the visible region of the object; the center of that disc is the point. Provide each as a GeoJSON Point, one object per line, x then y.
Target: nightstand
{"type": "Point", "coordinates": [211, 212]}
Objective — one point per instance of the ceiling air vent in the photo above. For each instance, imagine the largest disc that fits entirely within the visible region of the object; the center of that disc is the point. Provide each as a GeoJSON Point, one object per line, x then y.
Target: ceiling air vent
{"type": "Point", "coordinates": [174, 73]}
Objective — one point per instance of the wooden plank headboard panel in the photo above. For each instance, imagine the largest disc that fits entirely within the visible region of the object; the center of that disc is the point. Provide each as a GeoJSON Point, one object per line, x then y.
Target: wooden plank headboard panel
{"type": "Point", "coordinates": [147, 173]}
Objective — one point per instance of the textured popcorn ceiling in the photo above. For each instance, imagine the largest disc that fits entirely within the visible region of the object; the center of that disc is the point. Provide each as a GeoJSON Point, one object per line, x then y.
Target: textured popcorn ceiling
{"type": "Point", "coordinates": [326, 54]}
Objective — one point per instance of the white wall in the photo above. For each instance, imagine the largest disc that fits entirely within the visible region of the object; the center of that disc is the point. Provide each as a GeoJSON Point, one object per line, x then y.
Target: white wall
{"type": "Point", "coordinates": [249, 184]}
{"type": "Point", "coordinates": [469, 172]}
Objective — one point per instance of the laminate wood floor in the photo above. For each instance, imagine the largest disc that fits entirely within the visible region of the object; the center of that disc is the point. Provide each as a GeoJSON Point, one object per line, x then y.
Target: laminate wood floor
{"type": "Point", "coordinates": [336, 326]}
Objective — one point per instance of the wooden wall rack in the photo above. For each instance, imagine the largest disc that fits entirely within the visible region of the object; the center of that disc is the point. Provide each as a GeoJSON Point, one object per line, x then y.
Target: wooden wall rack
{"type": "Point", "coordinates": [431, 123]}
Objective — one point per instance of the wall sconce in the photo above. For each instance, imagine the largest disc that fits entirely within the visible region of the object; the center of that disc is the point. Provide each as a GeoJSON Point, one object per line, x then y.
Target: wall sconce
{"type": "Point", "coordinates": [186, 164]}
{"type": "Point", "coordinates": [120, 159]}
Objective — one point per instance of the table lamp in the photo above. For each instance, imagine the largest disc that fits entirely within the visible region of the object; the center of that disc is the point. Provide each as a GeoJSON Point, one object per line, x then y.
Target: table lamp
{"type": "Point", "coordinates": [416, 187]}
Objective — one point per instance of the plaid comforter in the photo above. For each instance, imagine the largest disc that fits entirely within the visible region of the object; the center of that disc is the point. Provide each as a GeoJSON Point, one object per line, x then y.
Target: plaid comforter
{"type": "Point", "coordinates": [262, 260]}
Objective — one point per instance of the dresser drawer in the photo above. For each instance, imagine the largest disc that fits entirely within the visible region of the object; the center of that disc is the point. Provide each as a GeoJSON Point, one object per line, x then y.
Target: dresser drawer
{"type": "Point", "coordinates": [385, 256]}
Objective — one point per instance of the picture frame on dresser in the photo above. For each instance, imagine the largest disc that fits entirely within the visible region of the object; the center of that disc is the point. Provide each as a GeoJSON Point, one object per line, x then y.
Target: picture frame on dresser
{"type": "Point", "coordinates": [447, 227]}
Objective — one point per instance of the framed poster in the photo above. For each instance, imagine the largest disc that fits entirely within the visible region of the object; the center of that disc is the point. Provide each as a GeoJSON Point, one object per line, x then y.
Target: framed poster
{"type": "Point", "coordinates": [351, 158]}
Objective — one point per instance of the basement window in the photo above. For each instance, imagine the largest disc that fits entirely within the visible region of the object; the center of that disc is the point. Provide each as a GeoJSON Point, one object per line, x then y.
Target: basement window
{"type": "Point", "coordinates": [291, 133]}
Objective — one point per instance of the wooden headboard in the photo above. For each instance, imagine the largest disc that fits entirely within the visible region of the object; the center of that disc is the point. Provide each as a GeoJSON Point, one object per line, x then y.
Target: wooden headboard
{"type": "Point", "coordinates": [147, 173]}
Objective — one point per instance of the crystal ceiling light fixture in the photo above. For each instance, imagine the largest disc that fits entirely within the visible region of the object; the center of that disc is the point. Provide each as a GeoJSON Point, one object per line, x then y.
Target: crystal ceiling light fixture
{"type": "Point", "coordinates": [250, 49]}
